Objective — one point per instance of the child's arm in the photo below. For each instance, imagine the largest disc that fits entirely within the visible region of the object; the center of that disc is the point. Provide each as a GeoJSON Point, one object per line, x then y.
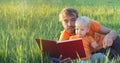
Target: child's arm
{"type": "Point", "coordinates": [94, 45]}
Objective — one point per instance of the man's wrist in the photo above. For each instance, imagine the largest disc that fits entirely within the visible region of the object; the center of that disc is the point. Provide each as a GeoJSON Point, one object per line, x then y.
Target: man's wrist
{"type": "Point", "coordinates": [112, 34]}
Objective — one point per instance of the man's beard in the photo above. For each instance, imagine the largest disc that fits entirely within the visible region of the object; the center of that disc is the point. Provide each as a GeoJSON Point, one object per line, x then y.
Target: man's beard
{"type": "Point", "coordinates": [71, 30]}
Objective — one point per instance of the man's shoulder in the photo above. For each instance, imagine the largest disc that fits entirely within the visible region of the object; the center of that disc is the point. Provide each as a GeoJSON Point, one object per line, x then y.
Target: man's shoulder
{"type": "Point", "coordinates": [64, 32]}
{"type": "Point", "coordinates": [94, 26]}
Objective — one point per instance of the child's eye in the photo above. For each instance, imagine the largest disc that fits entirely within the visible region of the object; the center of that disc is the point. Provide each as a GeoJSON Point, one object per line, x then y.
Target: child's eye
{"type": "Point", "coordinates": [76, 28]}
{"type": "Point", "coordinates": [82, 29]}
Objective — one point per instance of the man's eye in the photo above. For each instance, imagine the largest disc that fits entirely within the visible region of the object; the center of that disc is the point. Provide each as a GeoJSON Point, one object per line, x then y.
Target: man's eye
{"type": "Point", "coordinates": [73, 20]}
{"type": "Point", "coordinates": [65, 21]}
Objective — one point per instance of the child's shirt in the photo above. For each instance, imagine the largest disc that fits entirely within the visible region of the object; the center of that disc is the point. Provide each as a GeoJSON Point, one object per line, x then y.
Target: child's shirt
{"type": "Point", "coordinates": [94, 28]}
{"type": "Point", "coordinates": [88, 40]}
{"type": "Point", "coordinates": [99, 39]}
{"type": "Point", "coordinates": [87, 45]}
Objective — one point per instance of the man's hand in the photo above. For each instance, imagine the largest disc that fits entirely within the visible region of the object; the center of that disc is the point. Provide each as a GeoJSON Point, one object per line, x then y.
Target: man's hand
{"type": "Point", "coordinates": [107, 41]}
{"type": "Point", "coordinates": [110, 36]}
{"type": "Point", "coordinates": [66, 60]}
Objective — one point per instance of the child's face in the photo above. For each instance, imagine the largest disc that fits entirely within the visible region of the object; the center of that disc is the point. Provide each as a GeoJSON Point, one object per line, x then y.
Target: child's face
{"type": "Point", "coordinates": [81, 30]}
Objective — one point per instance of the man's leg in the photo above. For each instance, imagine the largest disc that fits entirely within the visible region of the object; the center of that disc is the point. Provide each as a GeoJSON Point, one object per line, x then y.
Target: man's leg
{"type": "Point", "coordinates": [54, 60]}
{"type": "Point", "coordinates": [114, 49]}
{"type": "Point", "coordinates": [112, 52]}
{"type": "Point", "coordinates": [116, 45]}
{"type": "Point", "coordinates": [57, 60]}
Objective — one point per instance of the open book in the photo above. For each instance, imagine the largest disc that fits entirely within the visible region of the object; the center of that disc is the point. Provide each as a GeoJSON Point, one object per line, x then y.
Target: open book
{"type": "Point", "coordinates": [68, 48]}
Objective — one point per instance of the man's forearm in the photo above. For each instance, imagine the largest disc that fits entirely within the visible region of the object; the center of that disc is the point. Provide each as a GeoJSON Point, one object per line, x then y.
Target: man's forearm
{"type": "Point", "coordinates": [112, 34]}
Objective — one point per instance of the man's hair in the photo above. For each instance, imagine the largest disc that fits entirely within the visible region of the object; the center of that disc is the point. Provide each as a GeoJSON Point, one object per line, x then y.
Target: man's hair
{"type": "Point", "coordinates": [67, 11]}
{"type": "Point", "coordinates": [82, 21]}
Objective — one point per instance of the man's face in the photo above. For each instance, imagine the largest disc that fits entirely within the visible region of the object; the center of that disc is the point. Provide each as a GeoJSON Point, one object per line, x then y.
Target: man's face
{"type": "Point", "coordinates": [69, 23]}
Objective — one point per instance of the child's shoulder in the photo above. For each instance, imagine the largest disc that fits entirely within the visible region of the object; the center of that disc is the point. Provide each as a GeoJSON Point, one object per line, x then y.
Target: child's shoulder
{"type": "Point", "coordinates": [74, 37]}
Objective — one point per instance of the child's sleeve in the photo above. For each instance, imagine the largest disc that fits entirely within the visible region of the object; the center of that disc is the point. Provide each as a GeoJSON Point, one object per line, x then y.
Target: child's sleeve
{"type": "Point", "coordinates": [91, 39]}
{"type": "Point", "coordinates": [95, 26]}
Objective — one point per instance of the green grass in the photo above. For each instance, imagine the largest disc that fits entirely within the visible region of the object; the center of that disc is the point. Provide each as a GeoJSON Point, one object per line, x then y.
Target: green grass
{"type": "Point", "coordinates": [21, 22]}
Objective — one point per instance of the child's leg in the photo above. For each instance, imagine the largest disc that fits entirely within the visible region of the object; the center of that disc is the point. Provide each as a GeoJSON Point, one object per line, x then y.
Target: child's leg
{"type": "Point", "coordinates": [97, 57]}
{"type": "Point", "coordinates": [82, 61]}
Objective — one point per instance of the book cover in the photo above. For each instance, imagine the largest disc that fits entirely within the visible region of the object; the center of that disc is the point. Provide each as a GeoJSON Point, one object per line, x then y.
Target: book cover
{"type": "Point", "coordinates": [49, 47]}
{"type": "Point", "coordinates": [68, 48]}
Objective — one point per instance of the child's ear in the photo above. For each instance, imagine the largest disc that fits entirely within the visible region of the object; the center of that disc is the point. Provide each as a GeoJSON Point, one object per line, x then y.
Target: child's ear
{"type": "Point", "coordinates": [88, 29]}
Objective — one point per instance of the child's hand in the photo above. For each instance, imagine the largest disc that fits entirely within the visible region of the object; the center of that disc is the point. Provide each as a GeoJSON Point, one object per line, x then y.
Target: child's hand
{"type": "Point", "coordinates": [94, 45]}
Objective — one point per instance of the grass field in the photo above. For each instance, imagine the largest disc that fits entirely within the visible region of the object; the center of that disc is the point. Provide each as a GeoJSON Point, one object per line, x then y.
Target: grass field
{"type": "Point", "coordinates": [21, 21]}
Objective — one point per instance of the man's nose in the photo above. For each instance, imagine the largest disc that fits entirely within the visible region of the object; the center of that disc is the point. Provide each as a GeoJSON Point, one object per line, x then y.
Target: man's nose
{"type": "Point", "coordinates": [69, 24]}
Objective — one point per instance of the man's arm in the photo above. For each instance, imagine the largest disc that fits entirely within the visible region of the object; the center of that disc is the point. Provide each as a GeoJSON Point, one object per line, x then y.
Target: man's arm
{"type": "Point", "coordinates": [110, 36]}
{"type": "Point", "coordinates": [105, 30]}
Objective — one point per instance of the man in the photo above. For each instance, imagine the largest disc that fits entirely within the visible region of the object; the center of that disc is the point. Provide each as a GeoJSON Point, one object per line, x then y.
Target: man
{"type": "Point", "coordinates": [111, 41]}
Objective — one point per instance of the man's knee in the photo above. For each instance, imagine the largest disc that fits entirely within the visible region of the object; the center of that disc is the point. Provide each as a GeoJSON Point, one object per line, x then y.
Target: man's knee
{"type": "Point", "coordinates": [116, 41]}
{"type": "Point", "coordinates": [116, 45]}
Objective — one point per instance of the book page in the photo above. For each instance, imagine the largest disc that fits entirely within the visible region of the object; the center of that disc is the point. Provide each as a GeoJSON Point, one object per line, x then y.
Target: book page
{"type": "Point", "coordinates": [68, 40]}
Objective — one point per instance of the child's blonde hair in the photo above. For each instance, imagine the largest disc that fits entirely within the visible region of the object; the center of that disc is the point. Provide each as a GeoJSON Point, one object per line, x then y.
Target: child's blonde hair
{"type": "Point", "coordinates": [83, 21]}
